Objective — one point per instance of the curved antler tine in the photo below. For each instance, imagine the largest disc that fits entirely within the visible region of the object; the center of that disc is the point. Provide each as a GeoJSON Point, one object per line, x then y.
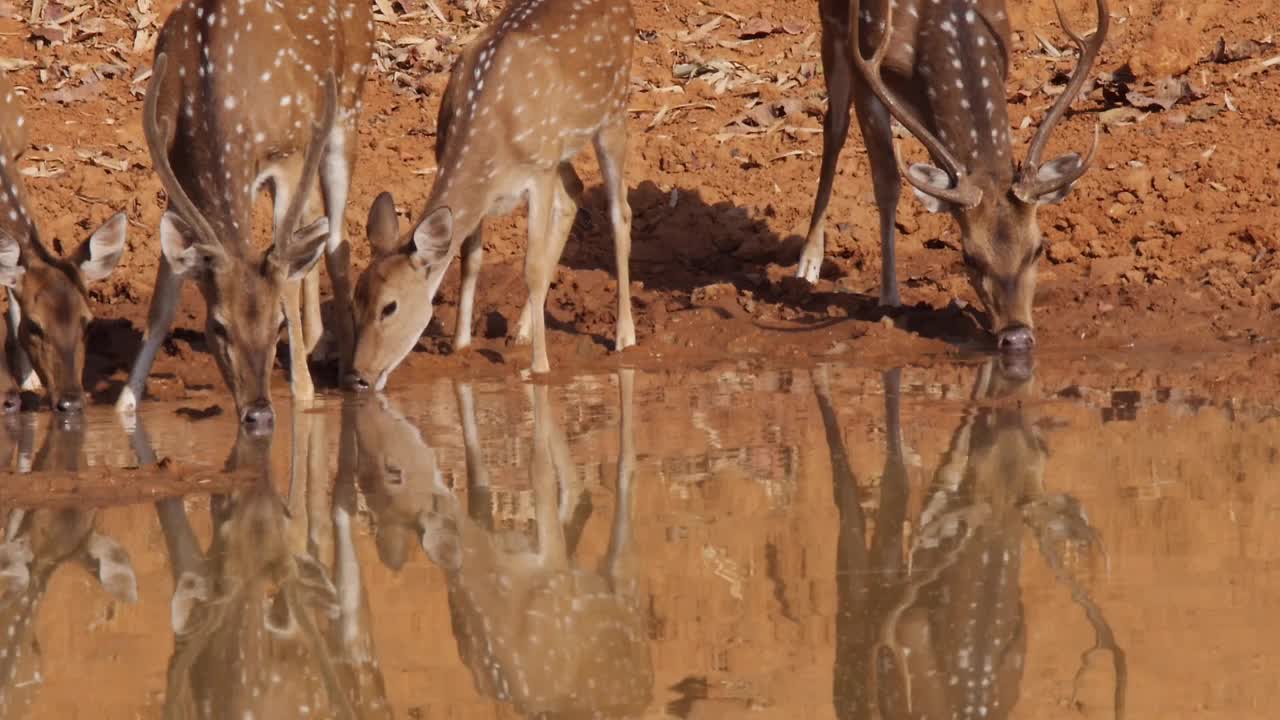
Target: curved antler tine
{"type": "Point", "coordinates": [157, 134]}
{"type": "Point", "coordinates": [1089, 49]}
{"type": "Point", "coordinates": [310, 163]}
{"type": "Point", "coordinates": [1032, 187]}
{"type": "Point", "coordinates": [963, 194]}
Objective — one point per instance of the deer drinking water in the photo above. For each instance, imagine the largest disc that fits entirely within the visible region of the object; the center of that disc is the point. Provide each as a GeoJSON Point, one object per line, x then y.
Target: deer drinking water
{"type": "Point", "coordinates": [939, 68]}
{"type": "Point", "coordinates": [551, 639]}
{"type": "Point", "coordinates": [524, 98]}
{"type": "Point", "coordinates": [49, 312]}
{"type": "Point", "coordinates": [35, 544]}
{"type": "Point", "coordinates": [263, 627]}
{"type": "Point", "coordinates": [940, 630]}
{"type": "Point", "coordinates": [248, 94]}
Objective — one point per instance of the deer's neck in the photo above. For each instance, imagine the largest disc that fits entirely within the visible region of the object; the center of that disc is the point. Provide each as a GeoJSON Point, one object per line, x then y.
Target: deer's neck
{"type": "Point", "coordinates": [217, 174]}
{"type": "Point", "coordinates": [962, 65]}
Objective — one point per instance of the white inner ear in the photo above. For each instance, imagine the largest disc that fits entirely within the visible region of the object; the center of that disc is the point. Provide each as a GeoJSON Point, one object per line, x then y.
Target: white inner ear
{"type": "Point", "coordinates": [105, 248]}
{"type": "Point", "coordinates": [1054, 170]}
{"type": "Point", "coordinates": [177, 249]}
{"type": "Point", "coordinates": [308, 244]}
{"type": "Point", "coordinates": [434, 236]}
{"type": "Point", "coordinates": [933, 177]}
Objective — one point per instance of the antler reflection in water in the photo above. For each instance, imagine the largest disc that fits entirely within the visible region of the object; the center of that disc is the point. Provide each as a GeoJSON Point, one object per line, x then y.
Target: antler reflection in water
{"type": "Point", "coordinates": [260, 628]}
{"type": "Point", "coordinates": [944, 633]}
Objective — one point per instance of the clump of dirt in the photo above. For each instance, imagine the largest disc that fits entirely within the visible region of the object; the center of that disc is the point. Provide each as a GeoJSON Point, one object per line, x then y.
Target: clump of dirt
{"type": "Point", "coordinates": [1171, 241]}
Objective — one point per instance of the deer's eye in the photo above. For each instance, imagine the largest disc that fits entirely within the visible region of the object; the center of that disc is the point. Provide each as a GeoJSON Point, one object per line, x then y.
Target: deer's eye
{"type": "Point", "coordinates": [389, 309]}
{"type": "Point", "coordinates": [34, 329]}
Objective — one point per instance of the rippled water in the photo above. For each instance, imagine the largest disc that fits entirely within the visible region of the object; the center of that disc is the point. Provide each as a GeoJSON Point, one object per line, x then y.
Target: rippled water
{"type": "Point", "coordinates": [944, 542]}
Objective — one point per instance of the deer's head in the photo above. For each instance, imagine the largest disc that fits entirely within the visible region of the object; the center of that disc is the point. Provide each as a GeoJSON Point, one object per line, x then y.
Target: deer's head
{"type": "Point", "coordinates": [393, 298]}
{"type": "Point", "coordinates": [959, 63]}
{"type": "Point", "coordinates": [244, 291]}
{"type": "Point", "coordinates": [245, 319]}
{"type": "Point", "coordinates": [53, 298]}
{"type": "Point", "coordinates": [400, 477]}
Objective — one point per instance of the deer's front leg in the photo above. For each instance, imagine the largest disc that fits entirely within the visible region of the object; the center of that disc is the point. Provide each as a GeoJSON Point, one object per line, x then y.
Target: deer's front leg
{"type": "Point", "coordinates": [472, 257]}
{"type": "Point", "coordinates": [164, 305]}
{"type": "Point", "coordinates": [873, 118]}
{"type": "Point", "coordinates": [837, 68]}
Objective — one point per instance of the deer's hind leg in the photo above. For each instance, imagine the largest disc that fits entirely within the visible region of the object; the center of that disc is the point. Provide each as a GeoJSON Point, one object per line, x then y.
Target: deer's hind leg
{"type": "Point", "coordinates": [303, 390]}
{"type": "Point", "coordinates": [551, 212]}
{"type": "Point", "coordinates": [335, 182]}
{"type": "Point", "coordinates": [837, 68]}
{"type": "Point", "coordinates": [611, 151]}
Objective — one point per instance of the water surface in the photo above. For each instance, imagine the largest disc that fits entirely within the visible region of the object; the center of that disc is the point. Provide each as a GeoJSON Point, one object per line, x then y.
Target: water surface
{"type": "Point", "coordinates": [958, 540]}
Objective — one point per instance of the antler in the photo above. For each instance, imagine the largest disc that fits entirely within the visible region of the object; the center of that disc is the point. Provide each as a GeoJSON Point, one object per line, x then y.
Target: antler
{"type": "Point", "coordinates": [157, 133]}
{"type": "Point", "coordinates": [310, 164]}
{"type": "Point", "coordinates": [1029, 186]}
{"type": "Point", "coordinates": [962, 192]}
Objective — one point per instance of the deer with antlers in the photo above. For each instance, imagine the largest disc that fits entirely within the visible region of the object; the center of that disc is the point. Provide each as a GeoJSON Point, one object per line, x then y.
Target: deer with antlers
{"type": "Point", "coordinates": [273, 619]}
{"type": "Point", "coordinates": [49, 311]}
{"type": "Point", "coordinates": [247, 95]}
{"type": "Point", "coordinates": [939, 68]}
{"type": "Point", "coordinates": [571, 60]}
{"type": "Point", "coordinates": [939, 630]}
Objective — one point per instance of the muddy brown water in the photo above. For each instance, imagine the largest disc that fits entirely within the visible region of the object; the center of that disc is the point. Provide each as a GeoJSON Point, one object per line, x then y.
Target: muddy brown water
{"type": "Point", "coordinates": [952, 540]}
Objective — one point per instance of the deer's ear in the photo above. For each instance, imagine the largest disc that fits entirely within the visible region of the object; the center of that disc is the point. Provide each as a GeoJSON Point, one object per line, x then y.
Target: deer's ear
{"type": "Point", "coordinates": [11, 270]}
{"type": "Point", "coordinates": [1057, 169]}
{"type": "Point", "coordinates": [433, 238]}
{"type": "Point", "coordinates": [383, 227]}
{"type": "Point", "coordinates": [303, 252]}
{"type": "Point", "coordinates": [185, 256]}
{"type": "Point", "coordinates": [191, 591]}
{"type": "Point", "coordinates": [100, 254]}
{"type": "Point", "coordinates": [113, 567]}
{"type": "Point", "coordinates": [930, 176]}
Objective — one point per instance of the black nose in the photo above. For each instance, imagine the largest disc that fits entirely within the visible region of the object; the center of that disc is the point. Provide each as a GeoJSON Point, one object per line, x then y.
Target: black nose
{"type": "Point", "coordinates": [1016, 338]}
{"type": "Point", "coordinates": [12, 402]}
{"type": "Point", "coordinates": [259, 414]}
{"type": "Point", "coordinates": [68, 404]}
{"type": "Point", "coordinates": [355, 381]}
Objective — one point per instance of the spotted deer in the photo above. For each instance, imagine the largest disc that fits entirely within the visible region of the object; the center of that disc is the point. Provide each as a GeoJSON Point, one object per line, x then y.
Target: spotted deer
{"type": "Point", "coordinates": [940, 631]}
{"type": "Point", "coordinates": [49, 309]}
{"type": "Point", "coordinates": [939, 68]}
{"type": "Point", "coordinates": [263, 627]}
{"type": "Point", "coordinates": [36, 543]}
{"type": "Point", "coordinates": [522, 101]}
{"type": "Point", "coordinates": [551, 639]}
{"type": "Point", "coordinates": [246, 95]}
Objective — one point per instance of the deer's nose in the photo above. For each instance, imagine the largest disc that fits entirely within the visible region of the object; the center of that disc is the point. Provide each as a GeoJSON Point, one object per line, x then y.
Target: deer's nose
{"type": "Point", "coordinates": [355, 381]}
{"type": "Point", "coordinates": [259, 415]}
{"type": "Point", "coordinates": [1016, 338]}
{"type": "Point", "coordinates": [67, 404]}
{"type": "Point", "coordinates": [12, 402]}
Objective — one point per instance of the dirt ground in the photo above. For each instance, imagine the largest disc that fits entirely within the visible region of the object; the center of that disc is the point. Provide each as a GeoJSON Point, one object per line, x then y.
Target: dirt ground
{"type": "Point", "coordinates": [1170, 243]}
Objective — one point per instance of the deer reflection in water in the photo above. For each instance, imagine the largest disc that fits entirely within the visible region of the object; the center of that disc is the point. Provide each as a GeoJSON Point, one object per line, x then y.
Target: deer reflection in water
{"type": "Point", "coordinates": [535, 630]}
{"type": "Point", "coordinates": [939, 631]}
{"type": "Point", "coordinates": [262, 628]}
{"type": "Point", "coordinates": [36, 543]}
